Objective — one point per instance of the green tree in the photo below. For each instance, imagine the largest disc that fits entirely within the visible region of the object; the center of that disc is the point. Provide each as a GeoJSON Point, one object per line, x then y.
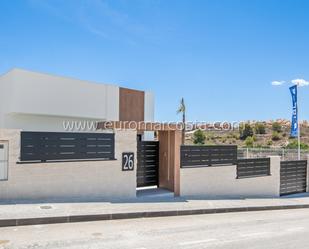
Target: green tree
{"type": "Point", "coordinates": [182, 109]}
{"type": "Point", "coordinates": [276, 127]}
{"type": "Point", "coordinates": [260, 128]}
{"type": "Point", "coordinates": [199, 137]}
{"type": "Point", "coordinates": [275, 136]}
{"type": "Point", "coordinates": [245, 131]}
{"type": "Point", "coordinates": [249, 142]}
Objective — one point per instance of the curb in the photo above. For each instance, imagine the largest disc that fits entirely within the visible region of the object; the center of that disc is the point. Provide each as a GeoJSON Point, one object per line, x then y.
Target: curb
{"type": "Point", "coordinates": [134, 215]}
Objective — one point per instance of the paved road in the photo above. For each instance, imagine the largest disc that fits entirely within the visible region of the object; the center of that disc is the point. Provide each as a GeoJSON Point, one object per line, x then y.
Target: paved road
{"type": "Point", "coordinates": [269, 229]}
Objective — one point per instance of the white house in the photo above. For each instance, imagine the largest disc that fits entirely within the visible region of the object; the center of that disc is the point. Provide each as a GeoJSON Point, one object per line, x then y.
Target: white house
{"type": "Point", "coordinates": [41, 102]}
{"type": "Point", "coordinates": [36, 103]}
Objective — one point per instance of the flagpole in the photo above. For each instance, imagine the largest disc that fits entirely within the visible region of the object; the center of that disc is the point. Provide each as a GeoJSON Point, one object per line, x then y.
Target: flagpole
{"type": "Point", "coordinates": [298, 128]}
{"type": "Point", "coordinates": [298, 141]}
{"type": "Point", "coordinates": [295, 122]}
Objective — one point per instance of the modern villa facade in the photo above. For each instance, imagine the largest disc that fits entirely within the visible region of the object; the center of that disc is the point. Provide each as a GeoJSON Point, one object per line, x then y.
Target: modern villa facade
{"type": "Point", "coordinates": [41, 102]}
{"type": "Point", "coordinates": [39, 159]}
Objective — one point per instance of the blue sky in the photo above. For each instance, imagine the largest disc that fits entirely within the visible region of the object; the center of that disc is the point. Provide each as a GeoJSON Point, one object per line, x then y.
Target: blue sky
{"type": "Point", "coordinates": [220, 55]}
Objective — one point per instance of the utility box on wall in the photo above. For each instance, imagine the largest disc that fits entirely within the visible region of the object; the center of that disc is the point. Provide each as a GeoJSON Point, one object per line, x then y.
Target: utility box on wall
{"type": "Point", "coordinates": [3, 161]}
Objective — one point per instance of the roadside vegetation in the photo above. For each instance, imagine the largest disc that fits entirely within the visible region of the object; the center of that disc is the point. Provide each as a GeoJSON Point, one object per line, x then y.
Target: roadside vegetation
{"type": "Point", "coordinates": [271, 134]}
{"type": "Point", "coordinates": [199, 137]}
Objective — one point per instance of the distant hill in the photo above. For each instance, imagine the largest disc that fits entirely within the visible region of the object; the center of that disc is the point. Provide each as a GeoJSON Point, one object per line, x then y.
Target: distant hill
{"type": "Point", "coordinates": [268, 140]}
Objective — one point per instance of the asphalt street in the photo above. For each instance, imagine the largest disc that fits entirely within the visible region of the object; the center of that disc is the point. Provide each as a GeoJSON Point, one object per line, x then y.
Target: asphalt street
{"type": "Point", "coordinates": [267, 229]}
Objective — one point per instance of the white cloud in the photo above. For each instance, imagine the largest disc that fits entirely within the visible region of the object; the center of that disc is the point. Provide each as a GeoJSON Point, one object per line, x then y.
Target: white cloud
{"type": "Point", "coordinates": [277, 83]}
{"type": "Point", "coordinates": [300, 82]}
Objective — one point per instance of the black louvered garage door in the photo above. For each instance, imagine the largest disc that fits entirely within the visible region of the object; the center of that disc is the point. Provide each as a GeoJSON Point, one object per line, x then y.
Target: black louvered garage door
{"type": "Point", "coordinates": [293, 177]}
{"type": "Point", "coordinates": [147, 163]}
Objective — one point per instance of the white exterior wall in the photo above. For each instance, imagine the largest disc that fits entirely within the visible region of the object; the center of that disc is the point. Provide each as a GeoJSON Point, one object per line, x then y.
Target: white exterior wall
{"type": "Point", "coordinates": [149, 114]}
{"type": "Point", "coordinates": [149, 107]}
{"type": "Point", "coordinates": [41, 102]}
{"type": "Point", "coordinates": [38, 101]}
{"type": "Point", "coordinates": [5, 92]}
{"type": "Point", "coordinates": [31, 122]}
{"type": "Point", "coordinates": [221, 181]}
{"type": "Point", "coordinates": [4, 152]}
{"type": "Point", "coordinates": [88, 179]}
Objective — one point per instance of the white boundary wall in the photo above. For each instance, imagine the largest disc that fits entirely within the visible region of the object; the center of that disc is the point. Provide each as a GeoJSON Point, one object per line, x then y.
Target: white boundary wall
{"type": "Point", "coordinates": [220, 181]}
{"type": "Point", "coordinates": [88, 179]}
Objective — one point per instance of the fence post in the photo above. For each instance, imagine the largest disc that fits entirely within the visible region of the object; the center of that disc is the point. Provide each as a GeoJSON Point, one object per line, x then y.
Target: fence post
{"type": "Point", "coordinates": [283, 154]}
{"type": "Point", "coordinates": [307, 187]}
{"type": "Point", "coordinates": [247, 152]}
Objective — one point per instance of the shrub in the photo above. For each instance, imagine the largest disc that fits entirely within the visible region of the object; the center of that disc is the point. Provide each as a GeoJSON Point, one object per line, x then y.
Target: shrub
{"type": "Point", "coordinates": [294, 145]}
{"type": "Point", "coordinates": [254, 138]}
{"type": "Point", "coordinates": [260, 128]}
{"type": "Point", "coordinates": [245, 131]}
{"type": "Point", "coordinates": [235, 135]}
{"type": "Point", "coordinates": [276, 127]}
{"type": "Point", "coordinates": [269, 142]}
{"type": "Point", "coordinates": [229, 136]}
{"type": "Point", "coordinates": [199, 137]}
{"type": "Point", "coordinates": [249, 142]}
{"type": "Point", "coordinates": [275, 136]}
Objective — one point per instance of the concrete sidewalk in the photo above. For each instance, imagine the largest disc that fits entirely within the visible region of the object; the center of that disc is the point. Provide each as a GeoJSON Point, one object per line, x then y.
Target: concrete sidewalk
{"type": "Point", "coordinates": [57, 211]}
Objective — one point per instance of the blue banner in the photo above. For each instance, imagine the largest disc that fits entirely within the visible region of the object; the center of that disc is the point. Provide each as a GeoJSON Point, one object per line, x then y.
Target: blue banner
{"type": "Point", "coordinates": [294, 123]}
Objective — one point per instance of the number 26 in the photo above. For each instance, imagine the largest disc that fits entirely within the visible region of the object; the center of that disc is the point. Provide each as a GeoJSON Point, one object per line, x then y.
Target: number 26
{"type": "Point", "coordinates": [128, 162]}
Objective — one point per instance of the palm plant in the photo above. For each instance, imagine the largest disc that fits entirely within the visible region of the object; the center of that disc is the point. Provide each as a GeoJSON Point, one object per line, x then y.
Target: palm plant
{"type": "Point", "coordinates": [182, 109]}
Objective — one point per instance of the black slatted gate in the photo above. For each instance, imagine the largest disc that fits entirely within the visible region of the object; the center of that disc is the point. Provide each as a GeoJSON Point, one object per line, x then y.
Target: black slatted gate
{"type": "Point", "coordinates": [147, 163]}
{"type": "Point", "coordinates": [253, 167]}
{"type": "Point", "coordinates": [293, 177]}
{"type": "Point", "coordinates": [207, 155]}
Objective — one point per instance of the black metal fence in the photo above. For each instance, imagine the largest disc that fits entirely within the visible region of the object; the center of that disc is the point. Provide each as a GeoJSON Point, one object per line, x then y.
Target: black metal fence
{"type": "Point", "coordinates": [293, 177]}
{"type": "Point", "coordinates": [194, 155]}
{"type": "Point", "coordinates": [46, 146]}
{"type": "Point", "coordinates": [253, 167]}
{"type": "Point", "coordinates": [147, 163]}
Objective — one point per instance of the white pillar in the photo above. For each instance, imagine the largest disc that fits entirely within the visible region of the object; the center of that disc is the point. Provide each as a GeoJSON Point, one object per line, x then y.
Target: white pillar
{"type": "Point", "coordinates": [275, 172]}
